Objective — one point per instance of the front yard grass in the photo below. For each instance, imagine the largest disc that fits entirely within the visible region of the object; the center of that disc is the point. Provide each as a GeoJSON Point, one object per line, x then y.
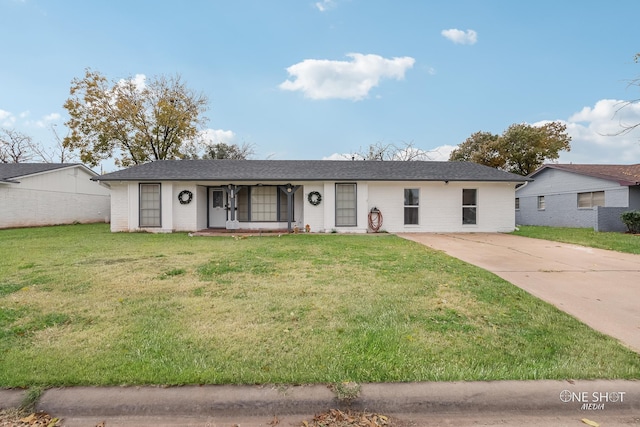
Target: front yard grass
{"type": "Point", "coordinates": [621, 242]}
{"type": "Point", "coordinates": [82, 306]}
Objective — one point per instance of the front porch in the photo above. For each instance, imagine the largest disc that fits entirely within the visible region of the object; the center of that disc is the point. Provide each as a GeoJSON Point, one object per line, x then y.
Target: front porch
{"type": "Point", "coordinates": [254, 208]}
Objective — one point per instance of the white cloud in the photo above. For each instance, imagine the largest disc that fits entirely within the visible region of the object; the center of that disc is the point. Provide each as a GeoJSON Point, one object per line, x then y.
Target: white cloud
{"type": "Point", "coordinates": [338, 156]}
{"type": "Point", "coordinates": [460, 37]}
{"type": "Point", "coordinates": [47, 120]}
{"type": "Point", "coordinates": [327, 79]}
{"type": "Point", "coordinates": [7, 119]}
{"type": "Point", "coordinates": [52, 117]}
{"type": "Point", "coordinates": [597, 133]}
{"type": "Point", "coordinates": [441, 153]}
{"type": "Point", "coordinates": [216, 136]}
{"type": "Point", "coordinates": [139, 81]}
{"type": "Point", "coordinates": [325, 5]}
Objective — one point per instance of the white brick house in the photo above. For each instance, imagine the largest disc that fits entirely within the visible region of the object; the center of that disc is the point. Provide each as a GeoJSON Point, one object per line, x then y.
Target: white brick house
{"type": "Point", "coordinates": [35, 194]}
{"type": "Point", "coordinates": [341, 196]}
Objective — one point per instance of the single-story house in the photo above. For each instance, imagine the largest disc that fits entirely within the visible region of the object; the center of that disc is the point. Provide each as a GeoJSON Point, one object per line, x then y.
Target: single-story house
{"type": "Point", "coordinates": [36, 194]}
{"type": "Point", "coordinates": [579, 195]}
{"type": "Point", "coordinates": [326, 196]}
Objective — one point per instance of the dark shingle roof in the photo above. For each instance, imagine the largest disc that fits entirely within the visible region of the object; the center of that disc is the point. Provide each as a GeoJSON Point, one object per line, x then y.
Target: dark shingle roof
{"type": "Point", "coordinates": [11, 171]}
{"type": "Point", "coordinates": [308, 170]}
{"type": "Point", "coordinates": [622, 174]}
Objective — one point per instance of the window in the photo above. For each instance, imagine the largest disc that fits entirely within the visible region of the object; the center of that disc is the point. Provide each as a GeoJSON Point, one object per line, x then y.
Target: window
{"type": "Point", "coordinates": [411, 203]}
{"type": "Point", "coordinates": [590, 200]}
{"type": "Point", "coordinates": [469, 205]}
{"type": "Point", "coordinates": [264, 205]}
{"type": "Point", "coordinates": [261, 203]}
{"type": "Point", "coordinates": [541, 203]}
{"type": "Point", "coordinates": [346, 205]}
{"type": "Point", "coordinates": [242, 202]}
{"type": "Point", "coordinates": [517, 203]}
{"type": "Point", "coordinates": [217, 199]}
{"type": "Point", "coordinates": [150, 205]}
{"type": "Point", "coordinates": [283, 206]}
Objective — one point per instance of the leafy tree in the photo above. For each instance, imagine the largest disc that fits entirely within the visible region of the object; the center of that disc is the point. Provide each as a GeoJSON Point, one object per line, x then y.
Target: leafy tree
{"type": "Point", "coordinates": [228, 151]}
{"type": "Point", "coordinates": [131, 122]}
{"type": "Point", "coordinates": [481, 147]}
{"type": "Point", "coordinates": [525, 148]}
{"type": "Point", "coordinates": [521, 149]}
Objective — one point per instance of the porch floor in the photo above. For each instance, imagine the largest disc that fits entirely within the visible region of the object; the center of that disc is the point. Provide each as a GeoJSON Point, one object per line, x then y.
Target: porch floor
{"type": "Point", "coordinates": [241, 232]}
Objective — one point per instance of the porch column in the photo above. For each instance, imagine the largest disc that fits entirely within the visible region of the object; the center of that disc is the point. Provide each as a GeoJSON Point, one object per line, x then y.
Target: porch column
{"type": "Point", "coordinates": [232, 192]}
{"type": "Point", "coordinates": [289, 190]}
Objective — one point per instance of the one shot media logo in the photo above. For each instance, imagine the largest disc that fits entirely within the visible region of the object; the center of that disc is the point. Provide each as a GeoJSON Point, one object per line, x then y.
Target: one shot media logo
{"type": "Point", "coordinates": [592, 401]}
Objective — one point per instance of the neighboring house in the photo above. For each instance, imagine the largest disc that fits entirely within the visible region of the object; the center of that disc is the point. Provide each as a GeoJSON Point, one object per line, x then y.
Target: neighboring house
{"type": "Point", "coordinates": [588, 196]}
{"type": "Point", "coordinates": [341, 196]}
{"type": "Point", "coordinates": [35, 194]}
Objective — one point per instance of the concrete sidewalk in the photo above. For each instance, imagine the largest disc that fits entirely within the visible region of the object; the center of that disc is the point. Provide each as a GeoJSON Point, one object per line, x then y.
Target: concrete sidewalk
{"type": "Point", "coordinates": [601, 288]}
{"type": "Point", "coordinates": [548, 403]}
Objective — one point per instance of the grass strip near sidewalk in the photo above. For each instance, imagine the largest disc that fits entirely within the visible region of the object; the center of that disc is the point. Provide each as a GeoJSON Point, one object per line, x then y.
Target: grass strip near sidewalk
{"type": "Point", "coordinates": [621, 242]}
{"type": "Point", "coordinates": [82, 306]}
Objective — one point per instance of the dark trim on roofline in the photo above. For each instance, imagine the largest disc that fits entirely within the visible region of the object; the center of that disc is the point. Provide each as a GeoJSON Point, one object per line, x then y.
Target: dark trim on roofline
{"type": "Point", "coordinates": [524, 179]}
{"type": "Point", "coordinates": [605, 177]}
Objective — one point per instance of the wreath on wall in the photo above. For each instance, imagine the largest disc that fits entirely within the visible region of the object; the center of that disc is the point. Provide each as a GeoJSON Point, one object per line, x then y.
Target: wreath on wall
{"type": "Point", "coordinates": [185, 197]}
{"type": "Point", "coordinates": [314, 198]}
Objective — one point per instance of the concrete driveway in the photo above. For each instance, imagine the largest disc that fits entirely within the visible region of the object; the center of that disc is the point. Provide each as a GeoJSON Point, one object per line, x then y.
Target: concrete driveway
{"type": "Point", "coordinates": [601, 288]}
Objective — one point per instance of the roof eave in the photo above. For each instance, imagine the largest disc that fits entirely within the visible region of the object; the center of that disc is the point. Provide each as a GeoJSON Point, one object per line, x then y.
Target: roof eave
{"type": "Point", "coordinates": [194, 179]}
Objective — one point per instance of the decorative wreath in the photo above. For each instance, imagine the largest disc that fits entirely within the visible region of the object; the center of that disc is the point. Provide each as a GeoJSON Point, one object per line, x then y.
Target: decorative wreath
{"type": "Point", "coordinates": [185, 197]}
{"type": "Point", "coordinates": [314, 198]}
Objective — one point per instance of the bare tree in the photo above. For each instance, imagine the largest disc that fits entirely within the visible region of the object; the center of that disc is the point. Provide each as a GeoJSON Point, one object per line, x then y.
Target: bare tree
{"type": "Point", "coordinates": [628, 127]}
{"type": "Point", "coordinates": [15, 147]}
{"type": "Point", "coordinates": [391, 152]}
{"type": "Point", "coordinates": [229, 151]}
{"type": "Point", "coordinates": [57, 154]}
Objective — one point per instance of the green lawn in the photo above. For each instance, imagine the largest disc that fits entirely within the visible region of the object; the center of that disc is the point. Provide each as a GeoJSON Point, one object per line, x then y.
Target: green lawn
{"type": "Point", "coordinates": [80, 305]}
{"type": "Point", "coordinates": [621, 242]}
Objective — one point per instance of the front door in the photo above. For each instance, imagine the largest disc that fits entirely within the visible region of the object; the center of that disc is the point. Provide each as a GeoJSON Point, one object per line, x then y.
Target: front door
{"type": "Point", "coordinates": [217, 210]}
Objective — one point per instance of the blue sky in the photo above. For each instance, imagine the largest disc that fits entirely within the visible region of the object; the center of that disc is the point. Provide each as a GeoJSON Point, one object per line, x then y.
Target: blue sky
{"type": "Point", "coordinates": [309, 79]}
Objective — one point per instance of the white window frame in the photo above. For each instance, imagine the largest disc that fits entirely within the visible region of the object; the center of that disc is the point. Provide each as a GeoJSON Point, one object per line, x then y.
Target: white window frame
{"type": "Point", "coordinates": [541, 203]}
